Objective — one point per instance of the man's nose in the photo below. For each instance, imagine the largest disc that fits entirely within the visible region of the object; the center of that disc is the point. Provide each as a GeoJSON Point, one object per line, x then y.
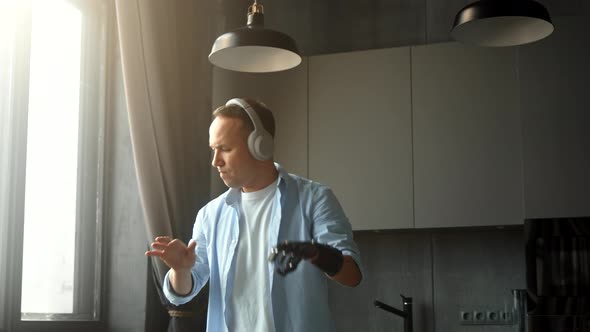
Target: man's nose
{"type": "Point", "coordinates": [217, 161]}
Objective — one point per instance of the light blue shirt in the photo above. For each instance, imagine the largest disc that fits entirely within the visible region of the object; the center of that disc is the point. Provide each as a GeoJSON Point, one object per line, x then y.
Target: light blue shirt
{"type": "Point", "coordinates": [302, 210]}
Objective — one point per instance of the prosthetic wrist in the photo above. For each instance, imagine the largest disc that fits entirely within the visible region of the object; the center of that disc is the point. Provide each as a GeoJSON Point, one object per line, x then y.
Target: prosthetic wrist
{"type": "Point", "coordinates": [328, 259]}
{"type": "Point", "coordinates": [287, 255]}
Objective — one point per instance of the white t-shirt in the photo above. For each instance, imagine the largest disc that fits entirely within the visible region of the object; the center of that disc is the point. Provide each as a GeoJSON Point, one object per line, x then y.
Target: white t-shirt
{"type": "Point", "coordinates": [250, 299]}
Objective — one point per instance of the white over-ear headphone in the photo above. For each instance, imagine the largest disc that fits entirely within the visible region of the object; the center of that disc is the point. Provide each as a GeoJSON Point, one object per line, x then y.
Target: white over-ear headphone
{"type": "Point", "coordinates": [260, 141]}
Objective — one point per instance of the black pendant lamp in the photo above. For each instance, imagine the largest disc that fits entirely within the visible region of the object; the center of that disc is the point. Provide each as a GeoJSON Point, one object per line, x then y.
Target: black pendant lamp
{"type": "Point", "coordinates": [502, 23]}
{"type": "Point", "coordinates": [253, 48]}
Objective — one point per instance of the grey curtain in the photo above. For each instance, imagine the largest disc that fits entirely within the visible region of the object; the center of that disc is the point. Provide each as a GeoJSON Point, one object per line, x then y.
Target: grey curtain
{"type": "Point", "coordinates": [164, 47]}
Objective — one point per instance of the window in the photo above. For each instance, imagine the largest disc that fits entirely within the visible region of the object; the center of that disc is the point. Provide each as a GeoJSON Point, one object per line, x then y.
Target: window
{"type": "Point", "coordinates": [52, 65]}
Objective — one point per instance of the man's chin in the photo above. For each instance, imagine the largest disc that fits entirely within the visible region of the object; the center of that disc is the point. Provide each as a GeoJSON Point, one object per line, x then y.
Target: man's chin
{"type": "Point", "coordinates": [232, 185]}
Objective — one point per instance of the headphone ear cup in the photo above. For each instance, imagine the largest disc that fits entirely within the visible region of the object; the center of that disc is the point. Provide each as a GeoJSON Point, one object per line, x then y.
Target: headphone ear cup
{"type": "Point", "coordinates": [252, 144]}
{"type": "Point", "coordinates": [260, 142]}
{"type": "Point", "coordinates": [261, 145]}
{"type": "Point", "coordinates": [265, 146]}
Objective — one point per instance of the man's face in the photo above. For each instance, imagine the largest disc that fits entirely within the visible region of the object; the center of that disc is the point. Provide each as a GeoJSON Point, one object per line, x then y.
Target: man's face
{"type": "Point", "coordinates": [231, 157]}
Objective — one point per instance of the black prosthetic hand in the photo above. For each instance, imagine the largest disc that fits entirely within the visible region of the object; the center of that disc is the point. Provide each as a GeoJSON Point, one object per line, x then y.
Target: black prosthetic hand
{"type": "Point", "coordinates": [287, 255]}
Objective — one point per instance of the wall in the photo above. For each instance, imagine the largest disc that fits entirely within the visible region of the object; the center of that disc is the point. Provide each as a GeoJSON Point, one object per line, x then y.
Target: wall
{"type": "Point", "coordinates": [555, 108]}
{"type": "Point", "coordinates": [324, 27]}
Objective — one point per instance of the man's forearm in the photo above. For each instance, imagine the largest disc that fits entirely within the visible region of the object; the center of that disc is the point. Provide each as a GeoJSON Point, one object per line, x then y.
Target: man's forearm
{"type": "Point", "coordinates": [350, 274]}
{"type": "Point", "coordinates": [181, 281]}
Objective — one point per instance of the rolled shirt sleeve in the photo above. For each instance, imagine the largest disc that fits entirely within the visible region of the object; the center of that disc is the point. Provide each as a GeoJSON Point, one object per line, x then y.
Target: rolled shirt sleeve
{"type": "Point", "coordinates": [199, 272]}
{"type": "Point", "coordinates": [331, 226]}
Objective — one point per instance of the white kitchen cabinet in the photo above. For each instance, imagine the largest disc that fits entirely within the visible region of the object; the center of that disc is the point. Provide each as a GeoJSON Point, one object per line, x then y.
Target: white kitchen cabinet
{"type": "Point", "coordinates": [554, 77]}
{"type": "Point", "coordinates": [360, 134]}
{"type": "Point", "coordinates": [466, 136]}
{"type": "Point", "coordinates": [285, 93]}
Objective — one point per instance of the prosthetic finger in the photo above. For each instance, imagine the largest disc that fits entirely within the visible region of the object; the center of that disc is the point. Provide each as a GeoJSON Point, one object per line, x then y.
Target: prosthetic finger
{"type": "Point", "coordinates": [288, 264]}
{"type": "Point", "coordinates": [326, 258]}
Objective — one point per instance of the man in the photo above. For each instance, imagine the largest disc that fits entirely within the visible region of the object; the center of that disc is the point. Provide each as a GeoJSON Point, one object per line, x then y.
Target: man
{"type": "Point", "coordinates": [267, 214]}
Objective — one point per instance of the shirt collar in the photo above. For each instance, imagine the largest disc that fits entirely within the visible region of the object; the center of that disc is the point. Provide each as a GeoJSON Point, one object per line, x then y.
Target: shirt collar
{"type": "Point", "coordinates": [233, 194]}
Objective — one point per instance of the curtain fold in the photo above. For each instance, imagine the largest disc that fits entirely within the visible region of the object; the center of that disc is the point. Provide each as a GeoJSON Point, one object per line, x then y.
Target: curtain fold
{"type": "Point", "coordinates": [5, 157]}
{"type": "Point", "coordinates": [164, 47]}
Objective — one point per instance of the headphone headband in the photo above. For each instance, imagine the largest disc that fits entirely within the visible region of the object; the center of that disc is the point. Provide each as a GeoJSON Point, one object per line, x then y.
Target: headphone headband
{"type": "Point", "coordinates": [249, 110]}
{"type": "Point", "coordinates": [260, 141]}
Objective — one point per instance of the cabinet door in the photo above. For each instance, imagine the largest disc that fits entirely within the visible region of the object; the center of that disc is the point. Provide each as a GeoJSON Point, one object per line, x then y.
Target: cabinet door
{"type": "Point", "coordinates": [360, 134]}
{"type": "Point", "coordinates": [285, 94]}
{"type": "Point", "coordinates": [556, 121]}
{"type": "Point", "coordinates": [467, 139]}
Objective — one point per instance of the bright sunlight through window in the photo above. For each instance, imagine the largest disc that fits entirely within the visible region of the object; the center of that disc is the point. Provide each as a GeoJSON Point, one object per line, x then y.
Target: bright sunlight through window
{"type": "Point", "coordinates": [52, 158]}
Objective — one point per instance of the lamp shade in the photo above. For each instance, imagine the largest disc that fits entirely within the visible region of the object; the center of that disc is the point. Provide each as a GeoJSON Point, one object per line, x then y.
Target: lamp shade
{"type": "Point", "coordinates": [255, 49]}
{"type": "Point", "coordinates": [502, 23]}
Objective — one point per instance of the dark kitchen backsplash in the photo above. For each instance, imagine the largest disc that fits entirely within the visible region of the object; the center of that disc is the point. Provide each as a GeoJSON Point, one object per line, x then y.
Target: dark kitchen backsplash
{"type": "Point", "coordinates": [445, 271]}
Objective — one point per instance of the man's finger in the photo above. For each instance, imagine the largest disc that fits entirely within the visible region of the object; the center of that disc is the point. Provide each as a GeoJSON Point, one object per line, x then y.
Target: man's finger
{"type": "Point", "coordinates": [159, 245]}
{"type": "Point", "coordinates": [163, 239]}
{"type": "Point", "coordinates": [191, 245]}
{"type": "Point", "coordinates": [158, 253]}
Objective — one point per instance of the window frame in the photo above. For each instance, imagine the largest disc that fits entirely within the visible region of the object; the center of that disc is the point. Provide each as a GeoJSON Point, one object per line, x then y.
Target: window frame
{"type": "Point", "coordinates": [89, 277]}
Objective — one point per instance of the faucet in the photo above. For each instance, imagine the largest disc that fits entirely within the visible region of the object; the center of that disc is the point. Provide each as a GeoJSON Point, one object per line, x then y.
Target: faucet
{"type": "Point", "coordinates": [406, 313]}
